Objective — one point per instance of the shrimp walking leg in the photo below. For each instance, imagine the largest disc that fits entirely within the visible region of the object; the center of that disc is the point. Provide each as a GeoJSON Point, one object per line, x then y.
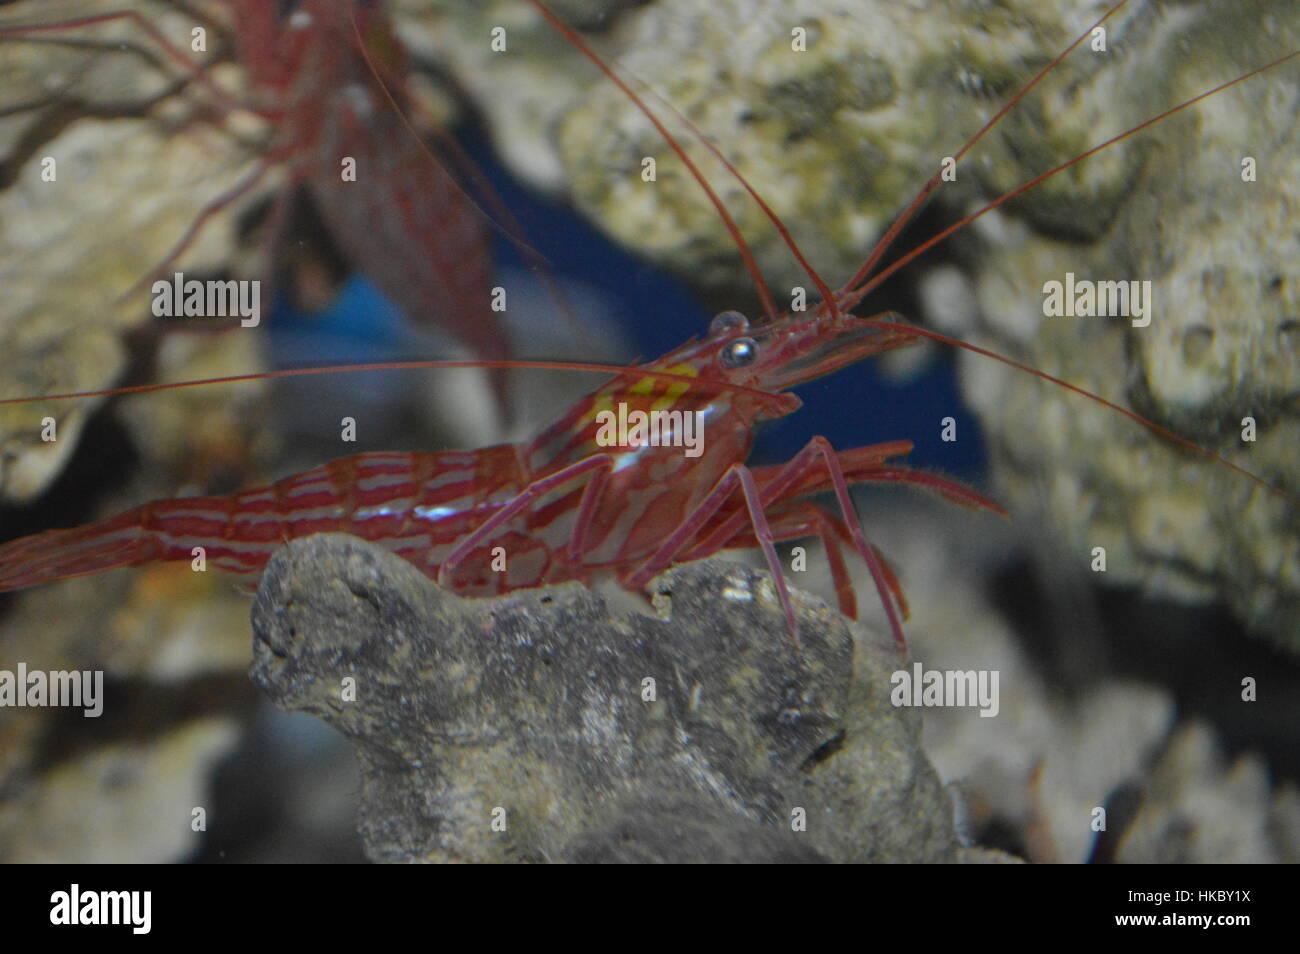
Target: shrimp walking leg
{"type": "Point", "coordinates": [517, 505]}
{"type": "Point", "coordinates": [800, 467]}
{"type": "Point", "coordinates": [736, 475]}
{"type": "Point", "coordinates": [798, 519]}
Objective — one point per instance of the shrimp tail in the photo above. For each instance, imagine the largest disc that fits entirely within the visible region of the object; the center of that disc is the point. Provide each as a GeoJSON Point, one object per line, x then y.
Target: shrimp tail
{"type": "Point", "coordinates": [54, 555]}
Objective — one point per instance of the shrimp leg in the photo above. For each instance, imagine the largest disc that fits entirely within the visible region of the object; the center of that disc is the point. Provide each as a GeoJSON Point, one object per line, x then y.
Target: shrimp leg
{"type": "Point", "coordinates": [600, 463]}
{"type": "Point", "coordinates": [797, 519]}
{"type": "Point", "coordinates": [799, 467]}
{"type": "Point", "coordinates": [735, 475]}
{"type": "Point", "coordinates": [803, 518]}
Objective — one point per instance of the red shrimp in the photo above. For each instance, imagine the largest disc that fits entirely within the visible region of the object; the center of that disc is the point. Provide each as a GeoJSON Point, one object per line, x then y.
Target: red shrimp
{"type": "Point", "coordinates": [567, 505]}
{"type": "Point", "coordinates": [331, 79]}
{"type": "Point", "coordinates": [570, 504]}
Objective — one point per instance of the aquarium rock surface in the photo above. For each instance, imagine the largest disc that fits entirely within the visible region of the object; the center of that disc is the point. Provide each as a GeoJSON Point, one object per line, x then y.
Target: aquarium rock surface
{"type": "Point", "coordinates": [540, 726]}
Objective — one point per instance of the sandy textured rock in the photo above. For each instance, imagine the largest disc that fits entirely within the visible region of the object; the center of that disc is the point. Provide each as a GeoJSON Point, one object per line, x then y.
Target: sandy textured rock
{"type": "Point", "coordinates": [133, 169]}
{"type": "Point", "coordinates": [1071, 734]}
{"type": "Point", "coordinates": [837, 139]}
{"type": "Point", "coordinates": [1221, 346]}
{"type": "Point", "coordinates": [170, 645]}
{"type": "Point", "coordinates": [1198, 808]}
{"type": "Point", "coordinates": [123, 802]}
{"type": "Point", "coordinates": [1047, 759]}
{"type": "Point", "coordinates": [533, 704]}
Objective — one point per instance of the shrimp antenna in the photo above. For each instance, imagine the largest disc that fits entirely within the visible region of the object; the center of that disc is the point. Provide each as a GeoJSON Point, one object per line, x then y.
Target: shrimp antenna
{"type": "Point", "coordinates": [541, 365]}
{"type": "Point", "coordinates": [823, 289]}
{"type": "Point", "coordinates": [503, 221]}
{"type": "Point", "coordinates": [934, 181]}
{"type": "Point", "coordinates": [1098, 399]}
{"type": "Point", "coordinates": [831, 299]}
{"type": "Point", "coordinates": [856, 295]}
{"type": "Point", "coordinates": [751, 265]}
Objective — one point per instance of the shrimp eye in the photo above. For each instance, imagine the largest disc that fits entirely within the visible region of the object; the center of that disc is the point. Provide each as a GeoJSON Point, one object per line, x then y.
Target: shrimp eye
{"type": "Point", "coordinates": [740, 353]}
{"type": "Point", "coordinates": [726, 322]}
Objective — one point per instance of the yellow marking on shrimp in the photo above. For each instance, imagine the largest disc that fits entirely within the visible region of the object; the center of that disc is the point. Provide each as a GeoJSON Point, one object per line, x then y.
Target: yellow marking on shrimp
{"type": "Point", "coordinates": [672, 390]}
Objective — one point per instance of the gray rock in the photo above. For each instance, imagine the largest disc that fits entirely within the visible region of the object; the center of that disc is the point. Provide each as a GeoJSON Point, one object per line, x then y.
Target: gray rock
{"type": "Point", "coordinates": [533, 707]}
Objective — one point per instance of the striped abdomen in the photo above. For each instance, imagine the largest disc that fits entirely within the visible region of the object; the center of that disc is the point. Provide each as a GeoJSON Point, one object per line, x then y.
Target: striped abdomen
{"type": "Point", "coordinates": [416, 505]}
